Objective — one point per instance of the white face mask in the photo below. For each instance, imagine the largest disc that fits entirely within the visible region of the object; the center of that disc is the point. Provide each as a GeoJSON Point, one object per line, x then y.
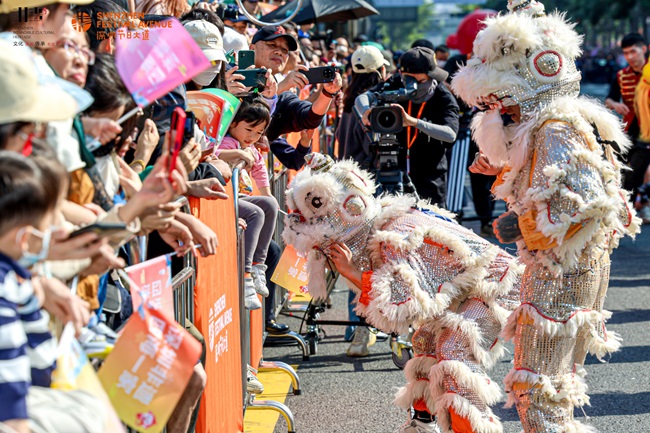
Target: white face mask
{"type": "Point", "coordinates": [29, 259]}
{"type": "Point", "coordinates": [206, 77]}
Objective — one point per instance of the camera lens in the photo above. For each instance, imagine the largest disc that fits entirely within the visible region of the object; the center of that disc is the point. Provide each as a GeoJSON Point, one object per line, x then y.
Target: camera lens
{"type": "Point", "coordinates": [328, 73]}
{"type": "Point", "coordinates": [386, 119]}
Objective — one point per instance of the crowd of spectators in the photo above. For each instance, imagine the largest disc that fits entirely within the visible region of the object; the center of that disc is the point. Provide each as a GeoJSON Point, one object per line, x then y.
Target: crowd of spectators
{"type": "Point", "coordinates": [67, 161]}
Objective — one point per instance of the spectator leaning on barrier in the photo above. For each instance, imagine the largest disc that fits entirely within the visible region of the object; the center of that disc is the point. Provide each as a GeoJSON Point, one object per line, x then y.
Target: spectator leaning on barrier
{"type": "Point", "coordinates": [27, 349]}
{"type": "Point", "coordinates": [430, 120]}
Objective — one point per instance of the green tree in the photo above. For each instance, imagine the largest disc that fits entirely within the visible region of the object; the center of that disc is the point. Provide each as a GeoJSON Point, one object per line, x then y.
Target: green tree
{"type": "Point", "coordinates": [400, 36]}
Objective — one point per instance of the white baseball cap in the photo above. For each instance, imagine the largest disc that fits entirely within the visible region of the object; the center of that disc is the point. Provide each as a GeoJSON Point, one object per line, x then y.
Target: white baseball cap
{"type": "Point", "coordinates": [208, 38]}
{"type": "Point", "coordinates": [24, 98]}
{"type": "Point", "coordinates": [233, 40]}
{"type": "Point", "coordinates": [8, 6]}
{"type": "Point", "coordinates": [367, 59]}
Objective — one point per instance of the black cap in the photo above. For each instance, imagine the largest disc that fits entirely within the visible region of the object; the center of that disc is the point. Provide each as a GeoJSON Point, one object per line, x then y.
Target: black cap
{"type": "Point", "coordinates": [270, 33]}
{"type": "Point", "coordinates": [422, 60]}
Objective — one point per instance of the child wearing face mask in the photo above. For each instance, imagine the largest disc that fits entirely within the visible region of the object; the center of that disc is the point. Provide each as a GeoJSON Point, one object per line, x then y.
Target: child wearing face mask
{"type": "Point", "coordinates": [28, 202]}
{"type": "Point", "coordinates": [259, 212]}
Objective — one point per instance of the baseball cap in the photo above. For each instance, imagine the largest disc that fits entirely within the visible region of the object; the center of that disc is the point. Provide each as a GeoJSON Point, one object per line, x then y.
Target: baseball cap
{"type": "Point", "coordinates": [8, 6]}
{"type": "Point", "coordinates": [271, 33]}
{"type": "Point", "coordinates": [367, 59]}
{"type": "Point", "coordinates": [24, 98]}
{"type": "Point", "coordinates": [234, 41]}
{"type": "Point", "coordinates": [422, 60]}
{"type": "Point", "coordinates": [208, 38]}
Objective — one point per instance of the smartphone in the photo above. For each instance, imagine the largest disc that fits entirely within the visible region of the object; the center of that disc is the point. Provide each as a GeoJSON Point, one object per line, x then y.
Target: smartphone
{"type": "Point", "coordinates": [320, 74]}
{"type": "Point", "coordinates": [101, 229]}
{"type": "Point", "coordinates": [255, 78]}
{"type": "Point", "coordinates": [190, 121]}
{"type": "Point", "coordinates": [178, 134]}
{"type": "Point", "coordinates": [245, 59]}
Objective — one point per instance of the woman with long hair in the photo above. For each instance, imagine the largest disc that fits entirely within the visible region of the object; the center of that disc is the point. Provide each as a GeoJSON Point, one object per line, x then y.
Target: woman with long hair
{"type": "Point", "coordinates": [368, 70]}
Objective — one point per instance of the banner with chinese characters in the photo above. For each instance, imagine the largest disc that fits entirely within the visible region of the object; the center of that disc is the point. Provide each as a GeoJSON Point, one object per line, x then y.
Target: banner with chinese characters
{"type": "Point", "coordinates": [153, 279]}
{"type": "Point", "coordinates": [149, 368]}
{"type": "Point", "coordinates": [217, 314]}
{"type": "Point", "coordinates": [291, 272]}
{"type": "Point", "coordinates": [152, 67]}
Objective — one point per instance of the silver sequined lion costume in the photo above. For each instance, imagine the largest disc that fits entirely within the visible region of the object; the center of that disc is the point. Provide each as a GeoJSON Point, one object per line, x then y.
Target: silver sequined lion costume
{"type": "Point", "coordinates": [420, 268]}
{"type": "Point", "coordinates": [561, 180]}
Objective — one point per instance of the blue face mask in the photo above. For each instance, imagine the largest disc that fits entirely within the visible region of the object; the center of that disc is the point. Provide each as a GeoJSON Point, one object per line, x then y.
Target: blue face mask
{"type": "Point", "coordinates": [29, 259]}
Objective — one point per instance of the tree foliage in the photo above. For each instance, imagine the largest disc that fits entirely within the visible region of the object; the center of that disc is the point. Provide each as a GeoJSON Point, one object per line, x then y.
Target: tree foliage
{"type": "Point", "coordinates": [400, 37]}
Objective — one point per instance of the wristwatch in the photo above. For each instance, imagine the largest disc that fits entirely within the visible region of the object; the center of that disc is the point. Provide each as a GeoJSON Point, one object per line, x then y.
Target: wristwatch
{"type": "Point", "coordinates": [330, 95]}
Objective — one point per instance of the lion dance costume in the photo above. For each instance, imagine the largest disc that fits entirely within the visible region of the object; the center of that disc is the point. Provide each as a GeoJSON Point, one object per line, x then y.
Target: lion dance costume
{"type": "Point", "coordinates": [420, 268]}
{"type": "Point", "coordinates": [561, 180]}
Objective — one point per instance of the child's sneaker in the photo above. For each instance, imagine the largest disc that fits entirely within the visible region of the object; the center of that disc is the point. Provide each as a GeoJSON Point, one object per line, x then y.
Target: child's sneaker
{"type": "Point", "coordinates": [258, 273]}
{"type": "Point", "coordinates": [253, 385]}
{"type": "Point", "coordinates": [251, 301]}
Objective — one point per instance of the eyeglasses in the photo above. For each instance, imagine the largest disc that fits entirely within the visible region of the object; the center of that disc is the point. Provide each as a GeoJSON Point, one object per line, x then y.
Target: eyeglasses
{"type": "Point", "coordinates": [72, 49]}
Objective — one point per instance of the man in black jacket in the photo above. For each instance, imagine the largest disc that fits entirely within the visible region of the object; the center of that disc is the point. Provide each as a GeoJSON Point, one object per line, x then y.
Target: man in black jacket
{"type": "Point", "coordinates": [430, 120]}
{"type": "Point", "coordinates": [272, 45]}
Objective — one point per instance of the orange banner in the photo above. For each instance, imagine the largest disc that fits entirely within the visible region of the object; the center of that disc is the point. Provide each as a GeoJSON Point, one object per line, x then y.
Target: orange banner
{"type": "Point", "coordinates": [216, 299]}
{"type": "Point", "coordinates": [149, 368]}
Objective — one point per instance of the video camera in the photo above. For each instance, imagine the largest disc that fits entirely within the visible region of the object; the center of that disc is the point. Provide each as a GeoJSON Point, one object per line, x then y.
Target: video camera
{"type": "Point", "coordinates": [386, 151]}
{"type": "Point", "coordinates": [228, 12]}
{"type": "Point", "coordinates": [384, 118]}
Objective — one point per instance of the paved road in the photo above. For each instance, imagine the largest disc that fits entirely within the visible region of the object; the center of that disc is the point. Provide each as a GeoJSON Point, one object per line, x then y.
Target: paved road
{"type": "Point", "coordinates": [344, 395]}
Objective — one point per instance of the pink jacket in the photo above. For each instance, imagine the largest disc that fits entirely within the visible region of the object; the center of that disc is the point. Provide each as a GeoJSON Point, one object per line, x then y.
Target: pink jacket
{"type": "Point", "coordinates": [258, 172]}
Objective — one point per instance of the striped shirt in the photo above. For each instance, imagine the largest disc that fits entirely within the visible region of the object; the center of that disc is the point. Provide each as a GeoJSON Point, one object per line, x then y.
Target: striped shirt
{"type": "Point", "coordinates": [27, 349]}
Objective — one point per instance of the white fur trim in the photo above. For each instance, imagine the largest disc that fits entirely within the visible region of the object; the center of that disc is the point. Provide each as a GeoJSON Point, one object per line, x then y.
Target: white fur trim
{"type": "Point", "coordinates": [316, 265]}
{"type": "Point", "coordinates": [572, 387]}
{"type": "Point", "coordinates": [413, 391]}
{"type": "Point", "coordinates": [466, 410]}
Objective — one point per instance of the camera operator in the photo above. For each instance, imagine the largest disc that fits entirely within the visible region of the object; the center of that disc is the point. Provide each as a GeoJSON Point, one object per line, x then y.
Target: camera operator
{"type": "Point", "coordinates": [368, 70]}
{"type": "Point", "coordinates": [429, 120]}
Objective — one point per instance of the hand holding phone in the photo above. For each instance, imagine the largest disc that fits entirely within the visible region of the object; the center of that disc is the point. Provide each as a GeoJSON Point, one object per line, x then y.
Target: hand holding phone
{"type": "Point", "coordinates": [246, 59]}
{"type": "Point", "coordinates": [177, 132]}
{"type": "Point", "coordinates": [255, 78]}
{"type": "Point", "coordinates": [320, 74]}
{"type": "Point", "coordinates": [101, 229]}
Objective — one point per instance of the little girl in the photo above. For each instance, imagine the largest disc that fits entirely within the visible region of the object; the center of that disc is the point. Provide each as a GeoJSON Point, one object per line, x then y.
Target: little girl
{"type": "Point", "coordinates": [259, 212]}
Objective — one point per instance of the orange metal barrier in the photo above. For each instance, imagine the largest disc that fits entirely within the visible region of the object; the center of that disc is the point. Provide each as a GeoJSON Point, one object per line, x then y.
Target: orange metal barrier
{"type": "Point", "coordinates": [217, 309]}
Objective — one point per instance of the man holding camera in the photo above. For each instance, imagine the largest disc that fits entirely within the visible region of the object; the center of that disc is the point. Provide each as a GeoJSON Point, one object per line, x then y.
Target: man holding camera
{"type": "Point", "coordinates": [272, 45]}
{"type": "Point", "coordinates": [429, 120]}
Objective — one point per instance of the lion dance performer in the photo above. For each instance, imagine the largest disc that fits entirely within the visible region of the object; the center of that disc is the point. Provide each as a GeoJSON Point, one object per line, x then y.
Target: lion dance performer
{"type": "Point", "coordinates": [567, 211]}
{"type": "Point", "coordinates": [411, 266]}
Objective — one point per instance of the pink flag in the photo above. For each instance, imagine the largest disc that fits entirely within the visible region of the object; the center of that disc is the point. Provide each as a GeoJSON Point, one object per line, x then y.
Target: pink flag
{"type": "Point", "coordinates": [153, 280]}
{"type": "Point", "coordinates": [154, 61]}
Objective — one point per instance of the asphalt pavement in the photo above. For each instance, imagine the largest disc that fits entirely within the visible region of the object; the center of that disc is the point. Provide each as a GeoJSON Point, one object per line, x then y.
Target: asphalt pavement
{"type": "Point", "coordinates": [344, 395]}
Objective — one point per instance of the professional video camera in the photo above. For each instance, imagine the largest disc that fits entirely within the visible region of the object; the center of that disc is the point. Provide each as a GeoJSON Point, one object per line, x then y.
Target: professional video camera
{"type": "Point", "coordinates": [384, 118]}
{"type": "Point", "coordinates": [385, 122]}
{"type": "Point", "coordinates": [228, 12]}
